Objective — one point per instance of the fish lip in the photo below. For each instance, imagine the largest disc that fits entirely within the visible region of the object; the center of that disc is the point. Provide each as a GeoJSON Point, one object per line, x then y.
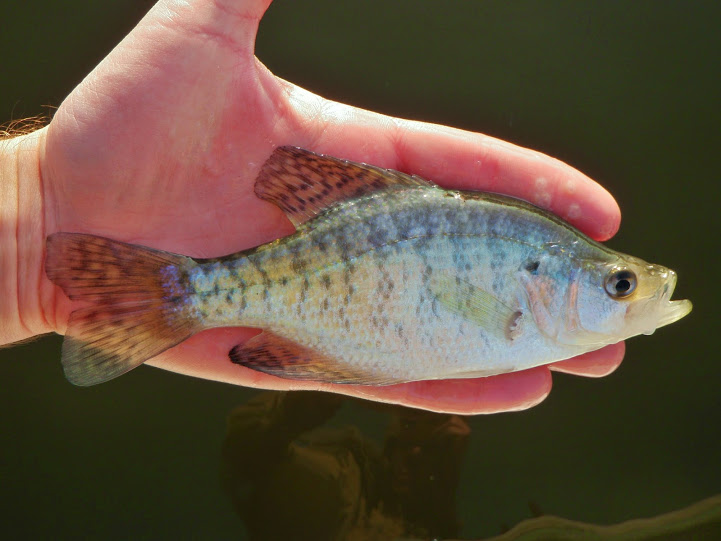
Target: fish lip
{"type": "Point", "coordinates": [672, 311]}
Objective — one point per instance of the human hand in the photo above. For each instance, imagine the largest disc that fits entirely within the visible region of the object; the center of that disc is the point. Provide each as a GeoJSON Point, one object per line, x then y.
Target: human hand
{"type": "Point", "coordinates": [160, 145]}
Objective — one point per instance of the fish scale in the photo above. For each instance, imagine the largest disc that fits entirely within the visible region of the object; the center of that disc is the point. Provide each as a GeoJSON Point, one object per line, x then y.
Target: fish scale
{"type": "Point", "coordinates": [417, 235]}
{"type": "Point", "coordinates": [388, 278]}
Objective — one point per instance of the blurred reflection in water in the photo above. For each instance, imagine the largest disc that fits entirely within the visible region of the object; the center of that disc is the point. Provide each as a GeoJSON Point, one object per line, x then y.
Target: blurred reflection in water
{"type": "Point", "coordinates": [289, 476]}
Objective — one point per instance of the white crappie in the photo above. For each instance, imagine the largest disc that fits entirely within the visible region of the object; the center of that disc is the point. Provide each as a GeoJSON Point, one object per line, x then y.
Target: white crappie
{"type": "Point", "coordinates": [389, 278]}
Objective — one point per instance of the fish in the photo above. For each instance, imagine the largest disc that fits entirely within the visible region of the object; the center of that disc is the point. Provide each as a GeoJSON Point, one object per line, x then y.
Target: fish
{"type": "Point", "coordinates": [388, 278]}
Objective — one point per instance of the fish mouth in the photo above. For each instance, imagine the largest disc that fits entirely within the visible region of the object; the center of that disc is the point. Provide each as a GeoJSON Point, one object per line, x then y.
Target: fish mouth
{"type": "Point", "coordinates": [672, 311]}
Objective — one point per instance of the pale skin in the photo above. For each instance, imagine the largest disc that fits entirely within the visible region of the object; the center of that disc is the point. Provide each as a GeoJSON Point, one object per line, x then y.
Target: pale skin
{"type": "Point", "coordinates": [160, 146]}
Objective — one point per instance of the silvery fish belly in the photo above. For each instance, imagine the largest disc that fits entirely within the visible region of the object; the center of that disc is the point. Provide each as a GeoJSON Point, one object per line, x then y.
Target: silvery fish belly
{"type": "Point", "coordinates": [388, 279]}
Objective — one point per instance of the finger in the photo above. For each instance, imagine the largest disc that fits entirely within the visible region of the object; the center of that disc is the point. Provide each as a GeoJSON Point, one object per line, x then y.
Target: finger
{"type": "Point", "coordinates": [456, 159]}
{"type": "Point", "coordinates": [205, 355]}
{"type": "Point", "coordinates": [478, 162]}
{"type": "Point", "coordinates": [594, 364]}
{"type": "Point", "coordinates": [507, 392]}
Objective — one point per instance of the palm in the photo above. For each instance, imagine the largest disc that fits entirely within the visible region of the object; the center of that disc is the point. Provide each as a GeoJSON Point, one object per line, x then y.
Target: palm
{"type": "Point", "coordinates": [168, 156]}
{"type": "Point", "coordinates": [161, 144]}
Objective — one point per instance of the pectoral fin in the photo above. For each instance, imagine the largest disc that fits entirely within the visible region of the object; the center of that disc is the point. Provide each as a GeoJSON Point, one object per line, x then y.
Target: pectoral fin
{"type": "Point", "coordinates": [476, 305]}
{"type": "Point", "coordinates": [273, 354]}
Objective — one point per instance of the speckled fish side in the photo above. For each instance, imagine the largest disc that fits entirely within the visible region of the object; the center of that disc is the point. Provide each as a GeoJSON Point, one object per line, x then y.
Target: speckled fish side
{"type": "Point", "coordinates": [388, 278]}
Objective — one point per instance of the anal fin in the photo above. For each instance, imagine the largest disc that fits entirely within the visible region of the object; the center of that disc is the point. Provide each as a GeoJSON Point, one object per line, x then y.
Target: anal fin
{"type": "Point", "coordinates": [273, 354]}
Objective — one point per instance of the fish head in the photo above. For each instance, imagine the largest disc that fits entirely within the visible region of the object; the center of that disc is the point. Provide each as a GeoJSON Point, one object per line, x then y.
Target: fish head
{"type": "Point", "coordinates": [618, 299]}
{"type": "Point", "coordinates": [589, 302]}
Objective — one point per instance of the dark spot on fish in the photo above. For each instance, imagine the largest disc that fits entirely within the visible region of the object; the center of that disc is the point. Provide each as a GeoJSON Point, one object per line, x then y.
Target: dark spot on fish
{"type": "Point", "coordinates": [284, 281]}
{"type": "Point", "coordinates": [304, 289]}
{"type": "Point", "coordinates": [298, 265]}
{"type": "Point", "coordinates": [257, 263]}
{"type": "Point", "coordinates": [532, 266]}
{"type": "Point", "coordinates": [228, 297]}
{"type": "Point", "coordinates": [346, 323]}
{"type": "Point", "coordinates": [513, 328]}
{"type": "Point", "coordinates": [326, 304]}
{"type": "Point", "coordinates": [427, 271]}
{"type": "Point", "coordinates": [434, 307]}
{"type": "Point", "coordinates": [326, 281]}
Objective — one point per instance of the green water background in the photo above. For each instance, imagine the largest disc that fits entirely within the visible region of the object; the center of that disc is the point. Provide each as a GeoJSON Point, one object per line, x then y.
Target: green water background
{"type": "Point", "coordinates": [628, 92]}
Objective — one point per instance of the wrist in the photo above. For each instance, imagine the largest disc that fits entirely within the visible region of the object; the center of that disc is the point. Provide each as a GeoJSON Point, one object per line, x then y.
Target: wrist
{"type": "Point", "coordinates": [23, 286]}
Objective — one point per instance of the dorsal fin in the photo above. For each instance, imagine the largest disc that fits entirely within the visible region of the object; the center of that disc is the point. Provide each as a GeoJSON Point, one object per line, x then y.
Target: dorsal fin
{"type": "Point", "coordinates": [302, 183]}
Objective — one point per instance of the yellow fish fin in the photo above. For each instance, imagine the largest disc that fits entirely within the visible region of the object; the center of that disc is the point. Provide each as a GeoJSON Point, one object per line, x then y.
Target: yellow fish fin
{"type": "Point", "coordinates": [134, 300]}
{"type": "Point", "coordinates": [273, 354]}
{"type": "Point", "coordinates": [303, 184]}
{"type": "Point", "coordinates": [474, 304]}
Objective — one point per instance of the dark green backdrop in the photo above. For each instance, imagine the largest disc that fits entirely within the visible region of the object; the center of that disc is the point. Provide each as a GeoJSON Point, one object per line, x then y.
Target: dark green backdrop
{"type": "Point", "coordinates": [628, 92]}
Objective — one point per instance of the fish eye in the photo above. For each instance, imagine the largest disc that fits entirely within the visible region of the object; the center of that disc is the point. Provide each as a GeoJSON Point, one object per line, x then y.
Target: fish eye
{"type": "Point", "coordinates": [620, 283]}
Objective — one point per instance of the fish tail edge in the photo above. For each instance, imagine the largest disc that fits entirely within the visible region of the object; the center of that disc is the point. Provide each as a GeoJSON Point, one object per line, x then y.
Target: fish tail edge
{"type": "Point", "coordinates": [134, 304]}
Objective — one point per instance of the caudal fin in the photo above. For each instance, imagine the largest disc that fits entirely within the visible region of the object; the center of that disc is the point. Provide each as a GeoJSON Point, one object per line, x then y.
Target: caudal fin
{"type": "Point", "coordinates": [135, 300]}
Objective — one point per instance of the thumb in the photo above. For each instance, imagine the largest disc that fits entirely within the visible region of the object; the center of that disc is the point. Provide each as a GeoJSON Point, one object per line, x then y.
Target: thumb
{"type": "Point", "coordinates": [234, 22]}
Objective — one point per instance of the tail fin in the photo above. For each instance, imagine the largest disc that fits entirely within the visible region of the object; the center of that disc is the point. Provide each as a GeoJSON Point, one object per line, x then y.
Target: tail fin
{"type": "Point", "coordinates": [137, 304]}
